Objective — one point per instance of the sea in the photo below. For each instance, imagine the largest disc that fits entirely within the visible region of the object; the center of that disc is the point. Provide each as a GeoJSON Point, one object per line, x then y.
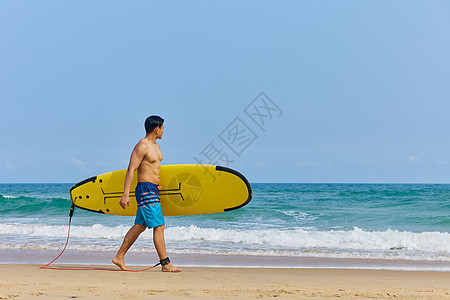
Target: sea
{"type": "Point", "coordinates": [292, 225]}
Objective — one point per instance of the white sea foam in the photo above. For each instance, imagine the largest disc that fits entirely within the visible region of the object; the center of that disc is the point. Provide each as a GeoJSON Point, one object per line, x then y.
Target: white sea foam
{"type": "Point", "coordinates": [356, 243]}
{"type": "Point", "coordinates": [10, 197]}
{"type": "Point", "coordinates": [356, 239]}
{"type": "Point", "coordinates": [298, 215]}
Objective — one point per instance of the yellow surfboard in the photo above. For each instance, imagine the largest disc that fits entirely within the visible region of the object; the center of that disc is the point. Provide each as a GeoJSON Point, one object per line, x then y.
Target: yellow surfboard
{"type": "Point", "coordinates": [185, 190]}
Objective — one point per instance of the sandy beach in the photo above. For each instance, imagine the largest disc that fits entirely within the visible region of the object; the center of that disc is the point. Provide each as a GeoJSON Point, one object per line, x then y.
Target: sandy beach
{"type": "Point", "coordinates": [28, 281]}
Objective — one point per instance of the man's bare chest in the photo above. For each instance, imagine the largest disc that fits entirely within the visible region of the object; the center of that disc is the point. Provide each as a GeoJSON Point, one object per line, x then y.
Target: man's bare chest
{"type": "Point", "coordinates": [153, 155]}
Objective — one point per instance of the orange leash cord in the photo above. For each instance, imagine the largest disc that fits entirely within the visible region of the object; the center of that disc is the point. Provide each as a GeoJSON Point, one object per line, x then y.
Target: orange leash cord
{"type": "Point", "coordinates": [85, 269]}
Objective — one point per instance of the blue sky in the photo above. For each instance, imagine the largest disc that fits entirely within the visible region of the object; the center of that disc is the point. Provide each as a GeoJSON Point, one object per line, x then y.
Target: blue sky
{"type": "Point", "coordinates": [362, 87]}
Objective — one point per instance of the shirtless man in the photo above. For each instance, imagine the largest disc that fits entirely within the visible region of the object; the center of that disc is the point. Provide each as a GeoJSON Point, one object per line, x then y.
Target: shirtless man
{"type": "Point", "coordinates": [146, 158]}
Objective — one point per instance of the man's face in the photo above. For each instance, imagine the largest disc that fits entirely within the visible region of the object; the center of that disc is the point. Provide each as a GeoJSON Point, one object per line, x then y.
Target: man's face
{"type": "Point", "coordinates": [159, 131]}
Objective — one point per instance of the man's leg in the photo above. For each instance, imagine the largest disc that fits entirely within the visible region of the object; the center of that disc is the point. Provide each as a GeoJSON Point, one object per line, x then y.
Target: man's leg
{"type": "Point", "coordinates": [160, 245]}
{"type": "Point", "coordinates": [128, 241]}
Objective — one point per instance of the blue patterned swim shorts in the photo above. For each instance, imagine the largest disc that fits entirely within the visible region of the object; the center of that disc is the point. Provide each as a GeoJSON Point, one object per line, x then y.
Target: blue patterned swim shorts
{"type": "Point", "coordinates": [149, 212]}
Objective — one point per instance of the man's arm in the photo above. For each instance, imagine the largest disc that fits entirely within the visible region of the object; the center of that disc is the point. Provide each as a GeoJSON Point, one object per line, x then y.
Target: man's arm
{"type": "Point", "coordinates": [135, 160]}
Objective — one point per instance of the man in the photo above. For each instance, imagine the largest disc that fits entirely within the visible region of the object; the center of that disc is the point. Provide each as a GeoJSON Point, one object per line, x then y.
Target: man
{"type": "Point", "coordinates": [146, 158]}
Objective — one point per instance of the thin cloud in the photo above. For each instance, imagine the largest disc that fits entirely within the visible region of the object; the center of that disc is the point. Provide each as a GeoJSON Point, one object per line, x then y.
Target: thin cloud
{"type": "Point", "coordinates": [414, 160]}
{"type": "Point", "coordinates": [77, 162]}
{"type": "Point", "coordinates": [10, 166]}
{"type": "Point", "coordinates": [314, 164]}
{"type": "Point", "coordinates": [441, 162]}
{"type": "Point", "coordinates": [259, 164]}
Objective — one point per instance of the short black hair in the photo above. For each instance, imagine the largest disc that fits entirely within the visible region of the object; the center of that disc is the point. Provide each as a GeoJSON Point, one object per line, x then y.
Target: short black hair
{"type": "Point", "coordinates": [152, 122]}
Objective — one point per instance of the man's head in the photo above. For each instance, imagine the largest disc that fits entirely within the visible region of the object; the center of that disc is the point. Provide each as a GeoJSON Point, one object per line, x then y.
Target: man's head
{"type": "Point", "coordinates": [153, 123]}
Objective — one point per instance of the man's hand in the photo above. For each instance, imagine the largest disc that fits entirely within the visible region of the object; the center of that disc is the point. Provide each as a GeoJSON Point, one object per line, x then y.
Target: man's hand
{"type": "Point", "coordinates": [125, 201]}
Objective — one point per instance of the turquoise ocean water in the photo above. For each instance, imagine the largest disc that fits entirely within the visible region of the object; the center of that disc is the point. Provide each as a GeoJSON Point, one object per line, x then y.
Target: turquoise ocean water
{"type": "Point", "coordinates": [343, 225]}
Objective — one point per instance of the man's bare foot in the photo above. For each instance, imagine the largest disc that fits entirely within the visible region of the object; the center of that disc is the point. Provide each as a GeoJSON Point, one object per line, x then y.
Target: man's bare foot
{"type": "Point", "coordinates": [170, 268]}
{"type": "Point", "coordinates": [120, 263]}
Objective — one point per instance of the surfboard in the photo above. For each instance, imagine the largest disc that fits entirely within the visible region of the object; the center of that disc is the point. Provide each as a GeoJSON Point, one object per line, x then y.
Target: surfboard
{"type": "Point", "coordinates": [190, 189]}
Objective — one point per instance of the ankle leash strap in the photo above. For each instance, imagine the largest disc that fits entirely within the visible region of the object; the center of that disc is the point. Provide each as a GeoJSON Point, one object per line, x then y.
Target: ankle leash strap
{"type": "Point", "coordinates": [164, 261]}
